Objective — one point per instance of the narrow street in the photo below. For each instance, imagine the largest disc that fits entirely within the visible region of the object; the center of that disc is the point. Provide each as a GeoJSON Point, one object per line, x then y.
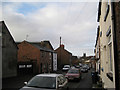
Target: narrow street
{"type": "Point", "coordinates": [18, 82]}
{"type": "Point", "coordinates": [85, 82]}
{"type": "Point", "coordinates": [60, 45]}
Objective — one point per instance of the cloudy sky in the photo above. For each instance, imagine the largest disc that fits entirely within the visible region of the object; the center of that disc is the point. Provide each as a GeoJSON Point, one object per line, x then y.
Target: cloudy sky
{"type": "Point", "coordinates": [75, 22]}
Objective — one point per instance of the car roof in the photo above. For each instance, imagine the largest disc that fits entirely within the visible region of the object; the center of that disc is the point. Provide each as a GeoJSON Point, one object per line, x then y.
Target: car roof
{"type": "Point", "coordinates": [66, 65]}
{"type": "Point", "coordinates": [49, 75]}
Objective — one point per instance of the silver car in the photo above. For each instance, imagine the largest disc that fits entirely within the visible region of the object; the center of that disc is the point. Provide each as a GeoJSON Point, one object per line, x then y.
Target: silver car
{"type": "Point", "coordinates": [66, 67]}
{"type": "Point", "coordinates": [46, 82]}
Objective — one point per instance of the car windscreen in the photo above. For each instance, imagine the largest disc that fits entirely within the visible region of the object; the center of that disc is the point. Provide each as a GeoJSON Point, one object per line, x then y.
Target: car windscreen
{"type": "Point", "coordinates": [73, 71]}
{"type": "Point", "coordinates": [42, 82]}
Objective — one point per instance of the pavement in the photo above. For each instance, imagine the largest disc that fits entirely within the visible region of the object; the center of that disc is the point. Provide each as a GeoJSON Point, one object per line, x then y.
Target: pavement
{"type": "Point", "coordinates": [15, 83]}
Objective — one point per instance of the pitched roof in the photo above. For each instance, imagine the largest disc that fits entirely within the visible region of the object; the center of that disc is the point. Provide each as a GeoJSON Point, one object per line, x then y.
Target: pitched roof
{"type": "Point", "coordinates": [63, 49]}
{"type": "Point", "coordinates": [45, 43]}
{"type": "Point", "coordinates": [4, 27]}
{"type": "Point", "coordinates": [38, 45]}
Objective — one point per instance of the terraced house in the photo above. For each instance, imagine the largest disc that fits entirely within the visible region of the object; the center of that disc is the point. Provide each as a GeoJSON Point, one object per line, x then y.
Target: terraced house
{"type": "Point", "coordinates": [108, 43]}
{"type": "Point", "coordinates": [35, 57]}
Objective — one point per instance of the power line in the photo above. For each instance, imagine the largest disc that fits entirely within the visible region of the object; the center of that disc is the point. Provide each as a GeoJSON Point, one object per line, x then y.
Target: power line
{"type": "Point", "coordinates": [68, 13]}
{"type": "Point", "coordinates": [81, 10]}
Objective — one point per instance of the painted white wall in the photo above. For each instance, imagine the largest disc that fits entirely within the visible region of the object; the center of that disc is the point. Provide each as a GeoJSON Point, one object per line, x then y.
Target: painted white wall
{"type": "Point", "coordinates": [104, 26]}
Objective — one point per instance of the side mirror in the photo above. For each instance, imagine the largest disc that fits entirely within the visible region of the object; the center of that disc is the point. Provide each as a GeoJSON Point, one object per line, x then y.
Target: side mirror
{"type": "Point", "coordinates": [25, 83]}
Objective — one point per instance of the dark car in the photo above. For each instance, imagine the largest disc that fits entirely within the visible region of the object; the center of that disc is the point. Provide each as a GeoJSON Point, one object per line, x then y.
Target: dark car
{"type": "Point", "coordinates": [46, 82]}
{"type": "Point", "coordinates": [88, 67]}
{"type": "Point", "coordinates": [74, 74]}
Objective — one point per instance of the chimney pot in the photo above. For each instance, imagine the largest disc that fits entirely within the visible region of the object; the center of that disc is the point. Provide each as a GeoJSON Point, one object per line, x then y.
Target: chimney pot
{"type": "Point", "coordinates": [62, 46]}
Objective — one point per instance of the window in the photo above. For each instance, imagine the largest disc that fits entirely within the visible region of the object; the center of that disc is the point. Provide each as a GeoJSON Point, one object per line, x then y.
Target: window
{"type": "Point", "coordinates": [21, 66]}
{"type": "Point", "coordinates": [110, 57]}
{"type": "Point", "coordinates": [42, 54]}
{"type": "Point", "coordinates": [110, 74]}
{"type": "Point", "coordinates": [100, 33]}
{"type": "Point", "coordinates": [29, 66]}
{"type": "Point", "coordinates": [0, 34]}
{"type": "Point", "coordinates": [50, 54]}
{"type": "Point", "coordinates": [110, 52]}
{"type": "Point", "coordinates": [107, 10]}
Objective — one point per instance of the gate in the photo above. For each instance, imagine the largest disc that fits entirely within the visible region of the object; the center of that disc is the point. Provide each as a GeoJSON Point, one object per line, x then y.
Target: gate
{"type": "Point", "coordinates": [25, 68]}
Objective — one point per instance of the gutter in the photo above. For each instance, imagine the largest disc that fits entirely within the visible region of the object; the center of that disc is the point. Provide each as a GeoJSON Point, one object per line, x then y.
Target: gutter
{"type": "Point", "coordinates": [115, 46]}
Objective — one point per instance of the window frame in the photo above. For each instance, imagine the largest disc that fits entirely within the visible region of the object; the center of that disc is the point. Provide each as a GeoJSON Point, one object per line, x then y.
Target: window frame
{"type": "Point", "coordinates": [110, 53]}
{"type": "Point", "coordinates": [106, 11]}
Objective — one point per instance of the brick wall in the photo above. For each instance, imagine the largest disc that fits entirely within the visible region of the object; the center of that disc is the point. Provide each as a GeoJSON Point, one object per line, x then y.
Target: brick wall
{"type": "Point", "coordinates": [27, 52]}
{"type": "Point", "coordinates": [45, 61]}
{"type": "Point", "coordinates": [63, 57]}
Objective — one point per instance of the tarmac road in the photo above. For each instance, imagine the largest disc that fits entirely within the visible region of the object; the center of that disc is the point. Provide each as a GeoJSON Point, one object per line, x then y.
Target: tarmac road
{"type": "Point", "coordinates": [16, 83]}
{"type": "Point", "coordinates": [84, 83]}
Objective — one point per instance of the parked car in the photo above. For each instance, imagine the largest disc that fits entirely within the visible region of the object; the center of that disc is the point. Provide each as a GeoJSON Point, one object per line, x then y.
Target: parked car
{"type": "Point", "coordinates": [66, 67]}
{"type": "Point", "coordinates": [46, 82]}
{"type": "Point", "coordinates": [74, 74]}
{"type": "Point", "coordinates": [77, 66]}
{"type": "Point", "coordinates": [88, 67]}
{"type": "Point", "coordinates": [84, 69]}
{"type": "Point", "coordinates": [72, 67]}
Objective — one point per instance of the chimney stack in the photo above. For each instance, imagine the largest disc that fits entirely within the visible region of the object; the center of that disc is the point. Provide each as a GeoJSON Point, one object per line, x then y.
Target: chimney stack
{"type": "Point", "coordinates": [62, 46]}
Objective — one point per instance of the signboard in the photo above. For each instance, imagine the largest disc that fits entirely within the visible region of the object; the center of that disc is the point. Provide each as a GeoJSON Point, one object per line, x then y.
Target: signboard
{"type": "Point", "coordinates": [54, 61]}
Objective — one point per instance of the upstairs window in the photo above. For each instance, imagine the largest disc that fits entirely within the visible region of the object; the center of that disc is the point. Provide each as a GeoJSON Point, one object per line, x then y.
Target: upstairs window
{"type": "Point", "coordinates": [108, 34]}
{"type": "Point", "coordinates": [107, 10]}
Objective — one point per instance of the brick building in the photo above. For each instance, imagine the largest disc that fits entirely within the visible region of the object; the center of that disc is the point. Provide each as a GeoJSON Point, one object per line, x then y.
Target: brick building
{"type": "Point", "coordinates": [109, 43]}
{"type": "Point", "coordinates": [63, 56]}
{"type": "Point", "coordinates": [75, 60]}
{"type": "Point", "coordinates": [36, 55]}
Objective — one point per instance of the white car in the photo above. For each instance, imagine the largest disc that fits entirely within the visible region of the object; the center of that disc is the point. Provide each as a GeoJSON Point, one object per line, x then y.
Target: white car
{"type": "Point", "coordinates": [46, 82]}
{"type": "Point", "coordinates": [66, 67]}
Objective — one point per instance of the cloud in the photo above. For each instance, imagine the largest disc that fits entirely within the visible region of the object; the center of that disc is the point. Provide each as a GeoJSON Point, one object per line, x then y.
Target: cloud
{"type": "Point", "coordinates": [75, 22]}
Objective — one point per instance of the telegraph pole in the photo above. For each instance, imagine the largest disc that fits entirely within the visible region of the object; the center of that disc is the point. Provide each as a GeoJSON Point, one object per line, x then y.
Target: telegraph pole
{"type": "Point", "coordinates": [27, 37]}
{"type": "Point", "coordinates": [60, 40]}
{"type": "Point", "coordinates": [60, 54]}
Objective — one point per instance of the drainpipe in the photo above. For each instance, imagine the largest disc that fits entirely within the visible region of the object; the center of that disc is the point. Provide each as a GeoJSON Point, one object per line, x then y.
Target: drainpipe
{"type": "Point", "coordinates": [115, 46]}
